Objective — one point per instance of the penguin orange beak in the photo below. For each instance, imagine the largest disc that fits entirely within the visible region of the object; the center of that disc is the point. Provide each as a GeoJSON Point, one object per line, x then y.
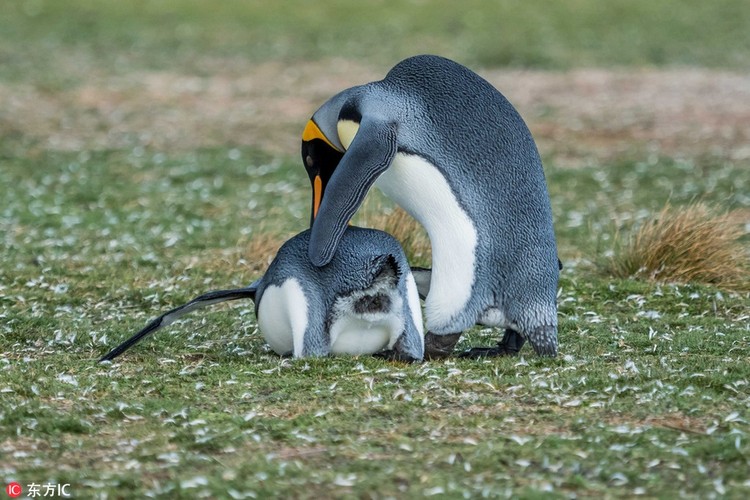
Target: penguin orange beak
{"type": "Point", "coordinates": [317, 195]}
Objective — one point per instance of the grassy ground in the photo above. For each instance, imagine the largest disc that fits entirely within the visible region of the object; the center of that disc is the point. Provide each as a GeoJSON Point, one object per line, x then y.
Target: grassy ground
{"type": "Point", "coordinates": [102, 228]}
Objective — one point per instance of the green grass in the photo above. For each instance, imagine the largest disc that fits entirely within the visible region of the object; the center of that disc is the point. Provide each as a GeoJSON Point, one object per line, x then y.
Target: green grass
{"type": "Point", "coordinates": [650, 394]}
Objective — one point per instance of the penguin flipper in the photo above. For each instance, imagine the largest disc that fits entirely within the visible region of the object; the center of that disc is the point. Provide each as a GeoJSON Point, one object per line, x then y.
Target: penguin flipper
{"type": "Point", "coordinates": [207, 299]}
{"type": "Point", "coordinates": [422, 277]}
{"type": "Point", "coordinates": [371, 152]}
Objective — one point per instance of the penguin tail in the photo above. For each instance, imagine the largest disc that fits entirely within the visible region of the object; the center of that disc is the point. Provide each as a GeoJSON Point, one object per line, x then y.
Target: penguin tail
{"type": "Point", "coordinates": [544, 340]}
{"type": "Point", "coordinates": [205, 300]}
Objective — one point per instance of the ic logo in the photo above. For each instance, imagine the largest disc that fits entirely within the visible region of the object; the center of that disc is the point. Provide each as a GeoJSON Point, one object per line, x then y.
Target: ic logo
{"type": "Point", "coordinates": [14, 490]}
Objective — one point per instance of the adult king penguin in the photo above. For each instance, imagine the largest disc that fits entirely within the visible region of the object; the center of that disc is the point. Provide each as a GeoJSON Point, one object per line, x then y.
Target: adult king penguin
{"type": "Point", "coordinates": [453, 152]}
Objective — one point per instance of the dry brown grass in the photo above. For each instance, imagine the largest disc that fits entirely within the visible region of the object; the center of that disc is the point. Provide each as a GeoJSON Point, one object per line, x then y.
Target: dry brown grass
{"type": "Point", "coordinates": [692, 244]}
{"type": "Point", "coordinates": [405, 229]}
{"type": "Point", "coordinates": [257, 255]}
{"type": "Point", "coordinates": [577, 117]}
{"type": "Point", "coordinates": [250, 258]}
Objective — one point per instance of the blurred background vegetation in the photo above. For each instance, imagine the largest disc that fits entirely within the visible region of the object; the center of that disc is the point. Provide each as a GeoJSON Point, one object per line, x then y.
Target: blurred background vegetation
{"type": "Point", "coordinates": [121, 36]}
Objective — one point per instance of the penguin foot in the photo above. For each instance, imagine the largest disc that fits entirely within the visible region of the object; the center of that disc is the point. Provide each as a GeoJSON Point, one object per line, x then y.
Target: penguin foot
{"type": "Point", "coordinates": [439, 346]}
{"type": "Point", "coordinates": [510, 345]}
{"type": "Point", "coordinates": [394, 355]}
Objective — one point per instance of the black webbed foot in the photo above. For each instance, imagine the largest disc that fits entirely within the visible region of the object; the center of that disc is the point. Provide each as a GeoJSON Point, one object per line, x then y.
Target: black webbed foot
{"type": "Point", "coordinates": [439, 346]}
{"type": "Point", "coordinates": [510, 345]}
{"type": "Point", "coordinates": [394, 355]}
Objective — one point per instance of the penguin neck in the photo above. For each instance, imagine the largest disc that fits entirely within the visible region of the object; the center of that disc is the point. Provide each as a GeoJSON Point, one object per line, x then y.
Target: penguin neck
{"type": "Point", "coordinates": [421, 189]}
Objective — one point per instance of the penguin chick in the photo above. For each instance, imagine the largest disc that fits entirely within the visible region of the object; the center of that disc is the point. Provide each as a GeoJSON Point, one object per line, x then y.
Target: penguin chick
{"type": "Point", "coordinates": [364, 301]}
{"type": "Point", "coordinates": [453, 152]}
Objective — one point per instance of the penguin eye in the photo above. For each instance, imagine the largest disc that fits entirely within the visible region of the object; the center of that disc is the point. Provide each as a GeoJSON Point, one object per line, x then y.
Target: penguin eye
{"type": "Point", "coordinates": [309, 161]}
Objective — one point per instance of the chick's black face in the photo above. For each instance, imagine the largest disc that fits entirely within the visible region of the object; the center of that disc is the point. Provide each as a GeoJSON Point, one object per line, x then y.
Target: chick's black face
{"type": "Point", "coordinates": [320, 161]}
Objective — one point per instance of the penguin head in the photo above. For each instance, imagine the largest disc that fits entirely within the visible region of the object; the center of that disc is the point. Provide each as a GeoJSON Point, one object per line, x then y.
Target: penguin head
{"type": "Point", "coordinates": [343, 153]}
{"type": "Point", "coordinates": [320, 157]}
{"type": "Point", "coordinates": [322, 150]}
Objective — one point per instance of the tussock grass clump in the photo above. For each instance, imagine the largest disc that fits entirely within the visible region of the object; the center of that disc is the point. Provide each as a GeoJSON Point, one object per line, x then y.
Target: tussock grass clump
{"type": "Point", "coordinates": [406, 230]}
{"type": "Point", "coordinates": [260, 251]}
{"type": "Point", "coordinates": [696, 243]}
{"type": "Point", "coordinates": [255, 255]}
{"type": "Point", "coordinates": [251, 258]}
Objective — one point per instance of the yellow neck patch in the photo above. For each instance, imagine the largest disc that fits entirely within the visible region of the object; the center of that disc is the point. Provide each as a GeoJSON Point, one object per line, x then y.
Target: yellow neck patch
{"type": "Point", "coordinates": [347, 129]}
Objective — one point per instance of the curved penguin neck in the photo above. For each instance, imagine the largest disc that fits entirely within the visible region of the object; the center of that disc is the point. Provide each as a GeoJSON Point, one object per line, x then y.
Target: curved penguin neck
{"type": "Point", "coordinates": [422, 190]}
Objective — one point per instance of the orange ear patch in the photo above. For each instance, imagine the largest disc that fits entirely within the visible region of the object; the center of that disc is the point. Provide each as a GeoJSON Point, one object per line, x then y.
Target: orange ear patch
{"type": "Point", "coordinates": [313, 132]}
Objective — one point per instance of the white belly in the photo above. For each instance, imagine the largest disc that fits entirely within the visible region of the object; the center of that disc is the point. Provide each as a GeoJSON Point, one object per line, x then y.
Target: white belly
{"type": "Point", "coordinates": [282, 317]}
{"type": "Point", "coordinates": [417, 186]}
{"type": "Point", "coordinates": [356, 333]}
{"type": "Point", "coordinates": [367, 333]}
{"type": "Point", "coordinates": [494, 317]}
{"type": "Point", "coordinates": [356, 336]}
